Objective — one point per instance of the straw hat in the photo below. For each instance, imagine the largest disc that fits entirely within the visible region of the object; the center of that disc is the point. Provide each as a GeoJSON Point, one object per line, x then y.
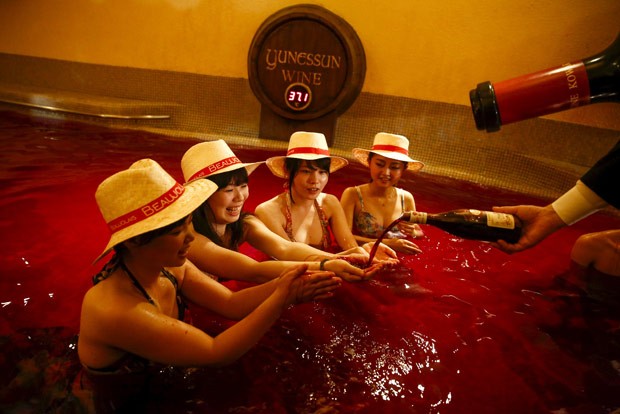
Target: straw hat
{"type": "Point", "coordinates": [144, 198]}
{"type": "Point", "coordinates": [212, 157]}
{"type": "Point", "coordinates": [305, 146]}
{"type": "Point", "coordinates": [391, 146]}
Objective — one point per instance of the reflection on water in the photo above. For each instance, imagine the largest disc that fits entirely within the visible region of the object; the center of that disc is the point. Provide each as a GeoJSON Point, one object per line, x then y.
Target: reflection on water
{"type": "Point", "coordinates": [460, 328]}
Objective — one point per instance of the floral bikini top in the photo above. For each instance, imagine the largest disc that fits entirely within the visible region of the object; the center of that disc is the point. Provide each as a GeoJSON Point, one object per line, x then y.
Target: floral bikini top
{"type": "Point", "coordinates": [326, 243]}
{"type": "Point", "coordinates": [365, 224]}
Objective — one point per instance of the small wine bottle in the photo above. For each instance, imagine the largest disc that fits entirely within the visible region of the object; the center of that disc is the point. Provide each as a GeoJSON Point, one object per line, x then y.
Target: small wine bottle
{"type": "Point", "coordinates": [471, 224]}
{"type": "Point", "coordinates": [592, 80]}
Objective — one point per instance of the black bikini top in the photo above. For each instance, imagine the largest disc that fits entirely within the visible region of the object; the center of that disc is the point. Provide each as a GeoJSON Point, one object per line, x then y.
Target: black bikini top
{"type": "Point", "coordinates": [115, 263]}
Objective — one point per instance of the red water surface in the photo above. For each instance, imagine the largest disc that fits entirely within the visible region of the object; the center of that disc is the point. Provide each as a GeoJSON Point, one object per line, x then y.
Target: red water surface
{"type": "Point", "coordinates": [461, 328]}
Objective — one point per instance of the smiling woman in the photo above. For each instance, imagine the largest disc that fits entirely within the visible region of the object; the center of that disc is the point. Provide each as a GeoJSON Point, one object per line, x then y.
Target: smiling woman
{"type": "Point", "coordinates": [132, 318]}
{"type": "Point", "coordinates": [370, 208]}
{"type": "Point", "coordinates": [222, 225]}
{"type": "Point", "coordinates": [304, 213]}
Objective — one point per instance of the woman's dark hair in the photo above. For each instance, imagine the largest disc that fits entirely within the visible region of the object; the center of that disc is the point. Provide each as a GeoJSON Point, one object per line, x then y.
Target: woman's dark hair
{"type": "Point", "coordinates": [372, 154]}
{"type": "Point", "coordinates": [149, 236]}
{"type": "Point", "coordinates": [293, 165]}
{"type": "Point", "coordinates": [202, 220]}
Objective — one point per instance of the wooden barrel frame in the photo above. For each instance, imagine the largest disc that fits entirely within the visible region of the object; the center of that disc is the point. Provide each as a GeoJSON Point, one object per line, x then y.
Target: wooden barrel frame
{"type": "Point", "coordinates": [341, 88]}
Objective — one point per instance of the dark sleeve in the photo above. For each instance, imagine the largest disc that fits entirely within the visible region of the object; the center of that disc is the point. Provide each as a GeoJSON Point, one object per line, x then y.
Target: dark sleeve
{"type": "Point", "coordinates": [604, 177]}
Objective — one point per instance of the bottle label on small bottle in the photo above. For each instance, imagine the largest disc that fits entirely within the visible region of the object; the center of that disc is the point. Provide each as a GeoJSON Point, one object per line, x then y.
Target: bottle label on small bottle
{"type": "Point", "coordinates": [501, 220]}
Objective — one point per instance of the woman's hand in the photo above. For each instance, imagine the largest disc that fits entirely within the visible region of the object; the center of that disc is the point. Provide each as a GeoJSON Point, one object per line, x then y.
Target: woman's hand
{"type": "Point", "coordinates": [302, 285]}
{"type": "Point", "coordinates": [410, 229]}
{"type": "Point", "coordinates": [403, 246]}
{"type": "Point", "coordinates": [384, 253]}
{"type": "Point", "coordinates": [347, 271]}
{"type": "Point", "coordinates": [355, 255]}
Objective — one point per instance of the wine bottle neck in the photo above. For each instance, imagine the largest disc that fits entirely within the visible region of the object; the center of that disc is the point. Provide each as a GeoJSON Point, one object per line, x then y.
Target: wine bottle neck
{"type": "Point", "coordinates": [595, 79]}
{"type": "Point", "coordinates": [603, 72]}
{"type": "Point", "coordinates": [415, 217]}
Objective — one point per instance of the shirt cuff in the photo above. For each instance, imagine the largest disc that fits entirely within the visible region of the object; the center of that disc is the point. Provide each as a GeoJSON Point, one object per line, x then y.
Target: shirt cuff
{"type": "Point", "coordinates": [577, 203]}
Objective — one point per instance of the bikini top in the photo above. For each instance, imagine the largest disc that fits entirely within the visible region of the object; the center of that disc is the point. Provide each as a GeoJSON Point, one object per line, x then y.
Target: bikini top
{"type": "Point", "coordinates": [326, 243]}
{"type": "Point", "coordinates": [131, 363]}
{"type": "Point", "coordinates": [367, 225]}
{"type": "Point", "coordinates": [115, 263]}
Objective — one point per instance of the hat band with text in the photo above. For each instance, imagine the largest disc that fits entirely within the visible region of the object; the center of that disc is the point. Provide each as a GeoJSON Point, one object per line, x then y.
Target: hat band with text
{"type": "Point", "coordinates": [391, 148]}
{"type": "Point", "coordinates": [155, 206]}
{"type": "Point", "coordinates": [308, 150]}
{"type": "Point", "coordinates": [215, 167]}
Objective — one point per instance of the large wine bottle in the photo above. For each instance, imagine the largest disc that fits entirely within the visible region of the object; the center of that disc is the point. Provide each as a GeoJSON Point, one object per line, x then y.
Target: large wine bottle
{"type": "Point", "coordinates": [592, 80]}
{"type": "Point", "coordinates": [471, 224]}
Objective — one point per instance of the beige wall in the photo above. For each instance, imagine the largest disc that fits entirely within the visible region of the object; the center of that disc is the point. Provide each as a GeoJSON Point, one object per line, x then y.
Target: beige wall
{"type": "Point", "coordinates": [428, 50]}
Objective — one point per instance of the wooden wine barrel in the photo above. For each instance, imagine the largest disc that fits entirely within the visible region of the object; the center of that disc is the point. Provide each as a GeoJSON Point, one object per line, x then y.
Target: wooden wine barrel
{"type": "Point", "coordinates": [305, 63]}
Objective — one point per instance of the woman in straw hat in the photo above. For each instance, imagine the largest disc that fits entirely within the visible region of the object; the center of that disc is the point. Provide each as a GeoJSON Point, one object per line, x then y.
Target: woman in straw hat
{"type": "Point", "coordinates": [132, 317]}
{"type": "Point", "coordinates": [222, 225]}
{"type": "Point", "coordinates": [304, 213]}
{"type": "Point", "coordinates": [370, 208]}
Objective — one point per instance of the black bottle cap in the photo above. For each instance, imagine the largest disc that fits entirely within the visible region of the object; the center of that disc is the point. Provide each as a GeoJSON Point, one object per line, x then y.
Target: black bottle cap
{"type": "Point", "coordinates": [484, 107]}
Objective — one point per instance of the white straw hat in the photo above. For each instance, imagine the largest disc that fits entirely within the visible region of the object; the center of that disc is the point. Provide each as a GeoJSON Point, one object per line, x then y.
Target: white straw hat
{"type": "Point", "coordinates": [212, 157]}
{"type": "Point", "coordinates": [144, 198]}
{"type": "Point", "coordinates": [305, 146]}
{"type": "Point", "coordinates": [391, 146]}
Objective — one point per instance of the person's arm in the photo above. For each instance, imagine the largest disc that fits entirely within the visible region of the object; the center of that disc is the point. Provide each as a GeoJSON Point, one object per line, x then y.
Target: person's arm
{"type": "Point", "coordinates": [577, 203]}
{"type": "Point", "coordinates": [236, 305]}
{"type": "Point", "coordinates": [602, 177]}
{"type": "Point", "coordinates": [229, 264]}
{"type": "Point", "coordinates": [262, 238]}
{"type": "Point", "coordinates": [259, 306]}
{"type": "Point", "coordinates": [600, 250]}
{"type": "Point", "coordinates": [127, 323]}
{"type": "Point", "coordinates": [338, 222]}
{"type": "Point", "coordinates": [269, 213]}
{"type": "Point", "coordinates": [539, 222]}
{"type": "Point", "coordinates": [225, 263]}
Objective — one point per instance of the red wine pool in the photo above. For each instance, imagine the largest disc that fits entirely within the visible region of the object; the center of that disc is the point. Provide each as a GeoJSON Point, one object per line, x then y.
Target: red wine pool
{"type": "Point", "coordinates": [459, 328]}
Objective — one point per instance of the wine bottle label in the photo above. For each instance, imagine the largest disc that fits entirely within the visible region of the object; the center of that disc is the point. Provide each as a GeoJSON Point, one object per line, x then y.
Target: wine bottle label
{"type": "Point", "coordinates": [501, 220]}
{"type": "Point", "coordinates": [543, 92]}
{"type": "Point", "coordinates": [417, 217]}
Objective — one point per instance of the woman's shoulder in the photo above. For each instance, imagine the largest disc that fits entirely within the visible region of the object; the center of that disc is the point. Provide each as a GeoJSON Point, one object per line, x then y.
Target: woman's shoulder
{"type": "Point", "coordinates": [353, 190]}
{"type": "Point", "coordinates": [188, 270]}
{"type": "Point", "coordinates": [327, 199]}
{"type": "Point", "coordinates": [266, 206]}
{"type": "Point", "coordinates": [250, 221]}
{"type": "Point", "coordinates": [110, 296]}
{"type": "Point", "coordinates": [404, 193]}
{"type": "Point", "coordinates": [330, 204]}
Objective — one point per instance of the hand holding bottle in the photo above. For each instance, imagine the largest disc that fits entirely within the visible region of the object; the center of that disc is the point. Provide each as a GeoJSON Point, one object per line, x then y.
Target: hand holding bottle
{"type": "Point", "coordinates": [537, 223]}
{"type": "Point", "coordinates": [468, 224]}
{"type": "Point", "coordinates": [471, 224]}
